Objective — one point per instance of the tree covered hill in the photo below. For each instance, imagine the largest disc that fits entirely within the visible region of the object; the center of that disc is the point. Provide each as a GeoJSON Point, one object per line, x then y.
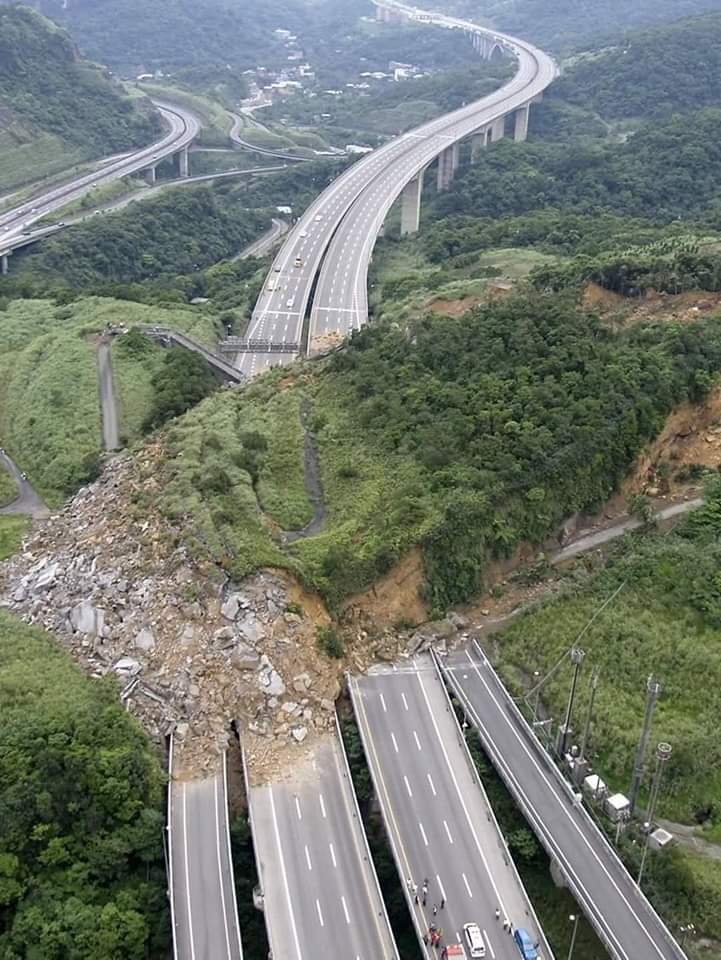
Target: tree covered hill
{"type": "Point", "coordinates": [670, 68]}
{"type": "Point", "coordinates": [54, 106]}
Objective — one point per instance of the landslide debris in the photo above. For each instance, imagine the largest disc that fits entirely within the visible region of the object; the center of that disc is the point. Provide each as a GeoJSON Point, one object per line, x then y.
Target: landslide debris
{"type": "Point", "coordinates": [192, 651]}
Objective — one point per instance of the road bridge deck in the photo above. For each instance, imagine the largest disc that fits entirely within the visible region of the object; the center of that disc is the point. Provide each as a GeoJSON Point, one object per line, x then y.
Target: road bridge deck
{"type": "Point", "coordinates": [437, 816]}
{"type": "Point", "coordinates": [619, 911]}
{"type": "Point", "coordinates": [320, 891]}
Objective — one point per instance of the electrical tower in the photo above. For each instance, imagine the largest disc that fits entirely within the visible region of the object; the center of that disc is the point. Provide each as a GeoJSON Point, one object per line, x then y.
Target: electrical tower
{"type": "Point", "coordinates": [653, 691]}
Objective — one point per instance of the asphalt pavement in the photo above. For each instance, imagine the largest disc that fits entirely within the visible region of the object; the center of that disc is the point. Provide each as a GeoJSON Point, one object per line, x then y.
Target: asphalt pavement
{"type": "Point", "coordinates": [440, 824]}
{"type": "Point", "coordinates": [205, 914]}
{"type": "Point", "coordinates": [320, 891]}
{"type": "Point", "coordinates": [28, 501]}
{"type": "Point", "coordinates": [601, 884]}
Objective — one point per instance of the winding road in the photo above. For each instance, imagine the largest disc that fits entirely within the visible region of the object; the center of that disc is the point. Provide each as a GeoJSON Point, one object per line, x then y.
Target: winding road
{"type": "Point", "coordinates": [28, 500]}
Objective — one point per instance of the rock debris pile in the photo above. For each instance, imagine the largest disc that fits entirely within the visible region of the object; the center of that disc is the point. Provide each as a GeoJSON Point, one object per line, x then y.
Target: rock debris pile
{"type": "Point", "coordinates": [192, 652]}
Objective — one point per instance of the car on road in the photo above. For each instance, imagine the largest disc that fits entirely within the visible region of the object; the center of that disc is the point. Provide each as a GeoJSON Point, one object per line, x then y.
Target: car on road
{"type": "Point", "coordinates": [276, 269]}
{"type": "Point", "coordinates": [474, 939]}
{"type": "Point", "coordinates": [289, 302]}
{"type": "Point", "coordinates": [299, 261]}
{"type": "Point", "coordinates": [525, 943]}
{"type": "Point", "coordinates": [318, 218]}
{"type": "Point", "coordinates": [303, 234]}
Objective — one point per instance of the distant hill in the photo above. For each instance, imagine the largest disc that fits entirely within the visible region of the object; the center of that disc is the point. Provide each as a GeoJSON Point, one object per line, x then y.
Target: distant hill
{"type": "Point", "coordinates": [57, 109]}
{"type": "Point", "coordinates": [138, 35]}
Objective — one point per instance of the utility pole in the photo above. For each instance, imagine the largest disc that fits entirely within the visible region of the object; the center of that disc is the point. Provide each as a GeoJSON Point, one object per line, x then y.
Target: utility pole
{"type": "Point", "coordinates": [653, 688]}
{"type": "Point", "coordinates": [577, 657]}
{"type": "Point", "coordinates": [574, 917]}
{"type": "Point", "coordinates": [663, 752]}
{"type": "Point", "coordinates": [591, 697]}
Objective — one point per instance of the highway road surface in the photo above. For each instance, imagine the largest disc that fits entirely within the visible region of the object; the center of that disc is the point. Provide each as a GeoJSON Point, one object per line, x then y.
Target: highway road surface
{"type": "Point", "coordinates": [182, 126]}
{"type": "Point", "coordinates": [437, 816]}
{"type": "Point", "coordinates": [357, 202]}
{"type": "Point", "coordinates": [321, 896]}
{"type": "Point", "coordinates": [264, 244]}
{"type": "Point", "coordinates": [603, 887]}
{"type": "Point", "coordinates": [205, 913]}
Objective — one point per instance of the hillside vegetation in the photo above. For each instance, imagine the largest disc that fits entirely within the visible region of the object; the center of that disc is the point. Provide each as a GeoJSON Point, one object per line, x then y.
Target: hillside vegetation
{"type": "Point", "coordinates": [81, 856]}
{"type": "Point", "coordinates": [56, 109]}
{"type": "Point", "coordinates": [49, 398]}
{"type": "Point", "coordinates": [464, 436]}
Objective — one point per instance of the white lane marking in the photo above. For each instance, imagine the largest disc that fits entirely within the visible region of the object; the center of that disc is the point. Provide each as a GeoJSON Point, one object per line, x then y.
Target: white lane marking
{"type": "Point", "coordinates": [345, 911]}
{"type": "Point", "coordinates": [220, 870]}
{"type": "Point", "coordinates": [448, 832]}
{"type": "Point", "coordinates": [285, 877]}
{"type": "Point", "coordinates": [423, 833]}
{"type": "Point", "coordinates": [489, 945]}
{"type": "Point", "coordinates": [395, 744]}
{"type": "Point", "coordinates": [307, 857]}
{"type": "Point", "coordinates": [562, 806]}
{"type": "Point", "coordinates": [187, 877]}
{"type": "Point", "coordinates": [418, 742]}
{"type": "Point", "coordinates": [322, 805]}
{"type": "Point", "coordinates": [297, 808]}
{"type": "Point", "coordinates": [465, 880]}
{"type": "Point", "coordinates": [440, 886]}
{"type": "Point", "coordinates": [383, 704]}
{"type": "Point", "coordinates": [432, 785]}
{"type": "Point", "coordinates": [408, 786]}
{"type": "Point", "coordinates": [320, 912]}
{"type": "Point", "coordinates": [332, 855]}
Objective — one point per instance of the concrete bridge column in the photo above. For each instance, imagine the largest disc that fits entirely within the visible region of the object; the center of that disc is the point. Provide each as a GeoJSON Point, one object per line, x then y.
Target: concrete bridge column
{"type": "Point", "coordinates": [4, 264]}
{"type": "Point", "coordinates": [447, 165]}
{"type": "Point", "coordinates": [478, 142]}
{"type": "Point", "coordinates": [183, 163]}
{"type": "Point", "coordinates": [520, 129]}
{"type": "Point", "coordinates": [411, 208]}
{"type": "Point", "coordinates": [498, 130]}
{"type": "Point", "coordinates": [150, 176]}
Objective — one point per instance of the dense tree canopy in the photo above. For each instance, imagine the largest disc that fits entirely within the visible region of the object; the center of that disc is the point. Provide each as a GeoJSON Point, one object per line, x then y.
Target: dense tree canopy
{"type": "Point", "coordinates": [81, 860]}
{"type": "Point", "coordinates": [43, 82]}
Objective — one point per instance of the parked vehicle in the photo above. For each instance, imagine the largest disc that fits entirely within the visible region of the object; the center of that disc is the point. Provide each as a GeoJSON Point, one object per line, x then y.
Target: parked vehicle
{"type": "Point", "coordinates": [526, 945]}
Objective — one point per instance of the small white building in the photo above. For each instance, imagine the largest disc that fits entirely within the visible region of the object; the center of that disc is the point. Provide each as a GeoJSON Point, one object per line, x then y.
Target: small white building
{"type": "Point", "coordinates": [660, 839]}
{"type": "Point", "coordinates": [594, 787]}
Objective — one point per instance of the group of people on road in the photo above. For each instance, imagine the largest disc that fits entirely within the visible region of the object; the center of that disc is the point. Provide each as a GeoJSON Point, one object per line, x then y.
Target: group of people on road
{"type": "Point", "coordinates": [434, 934]}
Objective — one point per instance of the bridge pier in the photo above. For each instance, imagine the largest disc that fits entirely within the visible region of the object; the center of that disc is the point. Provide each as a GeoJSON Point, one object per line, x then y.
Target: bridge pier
{"type": "Point", "coordinates": [4, 264]}
{"type": "Point", "coordinates": [182, 162]}
{"type": "Point", "coordinates": [557, 875]}
{"type": "Point", "coordinates": [478, 142]}
{"type": "Point", "coordinates": [520, 129]}
{"type": "Point", "coordinates": [150, 176]}
{"type": "Point", "coordinates": [447, 165]}
{"type": "Point", "coordinates": [411, 206]}
{"type": "Point", "coordinates": [498, 129]}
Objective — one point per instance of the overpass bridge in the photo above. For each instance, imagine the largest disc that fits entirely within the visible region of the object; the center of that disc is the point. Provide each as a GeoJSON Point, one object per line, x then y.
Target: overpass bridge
{"type": "Point", "coordinates": [182, 126]}
{"type": "Point", "coordinates": [438, 819]}
{"type": "Point", "coordinates": [204, 911]}
{"type": "Point", "coordinates": [175, 338]}
{"type": "Point", "coordinates": [318, 886]}
{"type": "Point", "coordinates": [617, 908]}
{"type": "Point", "coordinates": [325, 257]}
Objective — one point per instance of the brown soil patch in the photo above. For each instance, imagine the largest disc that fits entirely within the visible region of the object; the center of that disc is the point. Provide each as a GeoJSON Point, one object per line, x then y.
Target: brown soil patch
{"type": "Point", "coordinates": [395, 598]}
{"type": "Point", "coordinates": [454, 308]}
{"type": "Point", "coordinates": [691, 435]}
{"type": "Point", "coordinates": [654, 307]}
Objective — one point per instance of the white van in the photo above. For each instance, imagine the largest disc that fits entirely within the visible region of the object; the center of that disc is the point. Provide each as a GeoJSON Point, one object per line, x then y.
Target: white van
{"type": "Point", "coordinates": [474, 939]}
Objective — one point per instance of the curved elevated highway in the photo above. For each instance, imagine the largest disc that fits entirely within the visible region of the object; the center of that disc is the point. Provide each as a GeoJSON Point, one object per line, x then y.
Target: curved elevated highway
{"type": "Point", "coordinates": [617, 908]}
{"type": "Point", "coordinates": [338, 231]}
{"type": "Point", "coordinates": [183, 127]}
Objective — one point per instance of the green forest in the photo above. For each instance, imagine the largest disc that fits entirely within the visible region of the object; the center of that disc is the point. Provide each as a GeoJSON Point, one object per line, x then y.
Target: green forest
{"type": "Point", "coordinates": [82, 873]}
{"type": "Point", "coordinates": [46, 90]}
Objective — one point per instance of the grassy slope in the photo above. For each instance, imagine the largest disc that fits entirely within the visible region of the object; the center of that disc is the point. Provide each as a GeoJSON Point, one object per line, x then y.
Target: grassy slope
{"type": "Point", "coordinates": [49, 405]}
{"type": "Point", "coordinates": [8, 487]}
{"type": "Point", "coordinates": [12, 530]}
